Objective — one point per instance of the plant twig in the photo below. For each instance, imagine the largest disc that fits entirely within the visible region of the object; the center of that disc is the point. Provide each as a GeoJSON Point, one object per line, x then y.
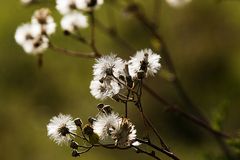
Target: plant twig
{"type": "Point", "coordinates": [166, 152]}
{"type": "Point", "coordinates": [70, 52]}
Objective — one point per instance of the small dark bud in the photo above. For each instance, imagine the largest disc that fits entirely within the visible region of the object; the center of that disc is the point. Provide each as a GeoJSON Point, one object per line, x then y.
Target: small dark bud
{"type": "Point", "coordinates": [75, 153]}
{"type": "Point", "coordinates": [66, 33]}
{"type": "Point", "coordinates": [91, 120]}
{"type": "Point", "coordinates": [91, 3]}
{"type": "Point", "coordinates": [74, 145]}
{"type": "Point", "coordinates": [121, 77]}
{"type": "Point", "coordinates": [100, 106]}
{"type": "Point", "coordinates": [88, 130]}
{"type": "Point", "coordinates": [107, 109]}
{"type": "Point", "coordinates": [78, 122]}
{"type": "Point", "coordinates": [141, 74]}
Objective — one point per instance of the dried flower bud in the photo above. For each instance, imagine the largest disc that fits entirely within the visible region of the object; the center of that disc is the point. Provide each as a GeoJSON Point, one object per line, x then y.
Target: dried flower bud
{"type": "Point", "coordinates": [74, 145]}
{"type": "Point", "coordinates": [78, 122]}
{"type": "Point", "coordinates": [75, 153]}
{"type": "Point", "coordinates": [100, 106]}
{"type": "Point", "coordinates": [66, 33]}
{"type": "Point", "coordinates": [121, 77]}
{"type": "Point", "coordinates": [91, 120]}
{"type": "Point", "coordinates": [107, 109]}
{"type": "Point", "coordinates": [88, 130]}
{"type": "Point", "coordinates": [91, 3]}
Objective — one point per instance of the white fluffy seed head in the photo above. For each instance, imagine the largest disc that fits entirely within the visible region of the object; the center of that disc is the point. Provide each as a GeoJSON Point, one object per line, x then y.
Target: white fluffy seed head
{"type": "Point", "coordinates": [106, 124]}
{"type": "Point", "coordinates": [105, 89]}
{"type": "Point", "coordinates": [30, 37]}
{"type": "Point", "coordinates": [120, 130]}
{"type": "Point", "coordinates": [126, 133]}
{"type": "Point", "coordinates": [45, 20]}
{"type": "Point", "coordinates": [110, 64]}
{"type": "Point", "coordinates": [152, 60]}
{"type": "Point", "coordinates": [178, 3]}
{"type": "Point", "coordinates": [74, 21]}
{"type": "Point", "coordinates": [66, 6]}
{"type": "Point", "coordinates": [60, 127]}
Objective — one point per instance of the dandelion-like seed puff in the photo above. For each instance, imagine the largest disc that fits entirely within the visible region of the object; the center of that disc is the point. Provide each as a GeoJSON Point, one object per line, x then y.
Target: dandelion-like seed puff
{"type": "Point", "coordinates": [60, 128]}
{"type": "Point", "coordinates": [73, 21]}
{"type": "Point", "coordinates": [126, 133]}
{"type": "Point", "coordinates": [30, 37]}
{"type": "Point", "coordinates": [106, 124]}
{"type": "Point", "coordinates": [145, 60]}
{"type": "Point", "coordinates": [105, 89]}
{"type": "Point", "coordinates": [109, 65]}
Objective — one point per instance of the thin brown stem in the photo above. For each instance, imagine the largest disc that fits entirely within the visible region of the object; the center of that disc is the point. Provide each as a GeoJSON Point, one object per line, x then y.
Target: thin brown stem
{"type": "Point", "coordinates": [166, 152]}
{"type": "Point", "coordinates": [70, 52]}
{"type": "Point", "coordinates": [126, 104]}
{"type": "Point", "coordinates": [151, 154]}
{"type": "Point", "coordinates": [146, 119]}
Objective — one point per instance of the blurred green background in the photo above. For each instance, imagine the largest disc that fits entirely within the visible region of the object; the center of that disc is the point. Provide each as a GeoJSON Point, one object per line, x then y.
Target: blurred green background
{"type": "Point", "coordinates": [203, 39]}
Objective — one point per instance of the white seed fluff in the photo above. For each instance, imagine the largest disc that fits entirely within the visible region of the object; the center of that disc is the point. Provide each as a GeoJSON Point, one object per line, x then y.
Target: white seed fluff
{"type": "Point", "coordinates": [56, 124]}
{"type": "Point", "coordinates": [106, 124]}
{"type": "Point", "coordinates": [105, 89]}
{"type": "Point", "coordinates": [153, 64]}
{"type": "Point", "coordinates": [30, 37]}
{"type": "Point", "coordinates": [45, 20]}
{"type": "Point", "coordinates": [74, 21]}
{"type": "Point", "coordinates": [66, 6]}
{"type": "Point", "coordinates": [126, 133]}
{"type": "Point", "coordinates": [108, 64]}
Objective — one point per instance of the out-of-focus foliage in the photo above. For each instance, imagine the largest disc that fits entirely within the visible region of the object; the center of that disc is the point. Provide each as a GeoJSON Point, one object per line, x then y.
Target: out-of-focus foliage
{"type": "Point", "coordinates": [203, 38]}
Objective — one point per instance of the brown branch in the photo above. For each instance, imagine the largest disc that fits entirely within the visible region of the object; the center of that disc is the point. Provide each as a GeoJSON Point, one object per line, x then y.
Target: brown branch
{"type": "Point", "coordinates": [151, 154]}
{"type": "Point", "coordinates": [166, 152]}
{"type": "Point", "coordinates": [70, 52]}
